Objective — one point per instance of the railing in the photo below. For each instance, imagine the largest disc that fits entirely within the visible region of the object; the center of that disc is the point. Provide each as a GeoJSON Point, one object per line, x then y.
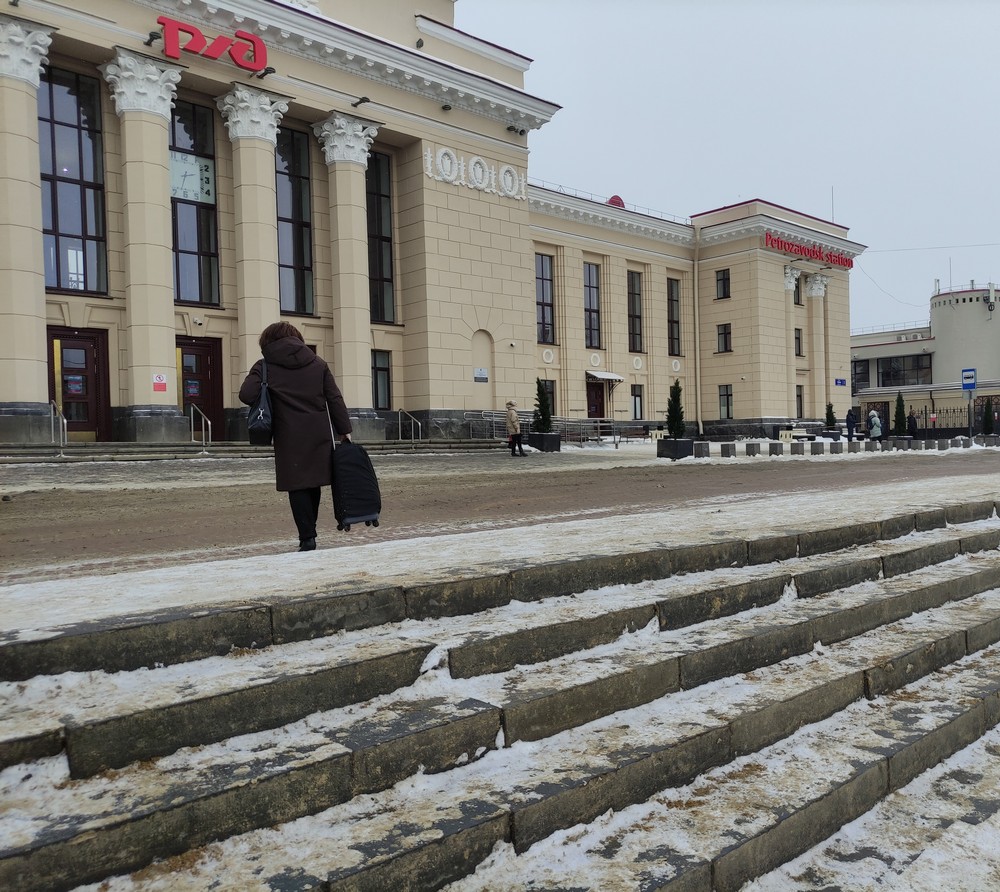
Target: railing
{"type": "Point", "coordinates": [56, 417]}
{"type": "Point", "coordinates": [206, 429]}
{"type": "Point", "coordinates": [414, 424]}
{"type": "Point", "coordinates": [493, 425]}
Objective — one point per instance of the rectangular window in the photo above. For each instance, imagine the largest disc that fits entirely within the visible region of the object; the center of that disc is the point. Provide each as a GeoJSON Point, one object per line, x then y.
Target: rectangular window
{"type": "Point", "coordinates": [380, 278]}
{"type": "Point", "coordinates": [637, 402]}
{"type": "Point", "coordinates": [381, 379]}
{"type": "Point", "coordinates": [722, 284]}
{"type": "Point", "coordinates": [797, 299]}
{"type": "Point", "coordinates": [725, 401]}
{"type": "Point", "coordinates": [799, 401]}
{"type": "Point", "coordinates": [544, 300]}
{"type": "Point", "coordinates": [798, 342]}
{"type": "Point", "coordinates": [592, 305]}
{"type": "Point", "coordinates": [900, 371]}
{"type": "Point", "coordinates": [674, 317]}
{"type": "Point", "coordinates": [724, 335]}
{"type": "Point", "coordinates": [550, 388]}
{"type": "Point", "coordinates": [634, 312]}
{"type": "Point", "coordinates": [71, 151]}
{"type": "Point", "coordinates": [195, 223]}
{"type": "Point", "coordinates": [295, 258]}
{"type": "Point", "coordinates": [860, 375]}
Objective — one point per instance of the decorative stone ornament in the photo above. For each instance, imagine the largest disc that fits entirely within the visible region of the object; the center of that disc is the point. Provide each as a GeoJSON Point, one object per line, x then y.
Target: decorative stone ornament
{"type": "Point", "coordinates": [22, 50]}
{"type": "Point", "coordinates": [791, 277]}
{"type": "Point", "coordinates": [140, 84]}
{"type": "Point", "coordinates": [345, 138]}
{"type": "Point", "coordinates": [816, 286]}
{"type": "Point", "coordinates": [251, 114]}
{"type": "Point", "coordinates": [447, 166]}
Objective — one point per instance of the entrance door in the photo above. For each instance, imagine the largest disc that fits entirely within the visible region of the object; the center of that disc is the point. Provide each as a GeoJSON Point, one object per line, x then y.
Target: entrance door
{"type": "Point", "coordinates": [199, 370]}
{"type": "Point", "coordinates": [78, 381]}
{"type": "Point", "coordinates": [595, 399]}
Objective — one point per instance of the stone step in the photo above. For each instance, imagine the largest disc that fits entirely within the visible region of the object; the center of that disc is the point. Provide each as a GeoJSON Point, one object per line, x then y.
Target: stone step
{"type": "Point", "coordinates": [100, 726]}
{"type": "Point", "coordinates": [743, 819]}
{"type": "Point", "coordinates": [275, 781]}
{"type": "Point", "coordinates": [172, 636]}
{"type": "Point", "coordinates": [940, 831]}
{"type": "Point", "coordinates": [435, 828]}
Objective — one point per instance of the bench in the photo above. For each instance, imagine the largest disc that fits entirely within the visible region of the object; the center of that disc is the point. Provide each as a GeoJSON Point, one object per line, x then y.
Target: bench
{"type": "Point", "coordinates": [792, 434]}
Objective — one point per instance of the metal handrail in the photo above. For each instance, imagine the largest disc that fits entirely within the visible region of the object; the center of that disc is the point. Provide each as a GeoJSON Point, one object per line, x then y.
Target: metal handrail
{"type": "Point", "coordinates": [413, 421]}
{"type": "Point", "coordinates": [206, 436]}
{"type": "Point", "coordinates": [56, 413]}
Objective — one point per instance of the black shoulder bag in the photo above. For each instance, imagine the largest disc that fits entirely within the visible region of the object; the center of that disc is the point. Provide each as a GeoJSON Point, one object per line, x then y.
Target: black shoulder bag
{"type": "Point", "coordinates": [259, 419]}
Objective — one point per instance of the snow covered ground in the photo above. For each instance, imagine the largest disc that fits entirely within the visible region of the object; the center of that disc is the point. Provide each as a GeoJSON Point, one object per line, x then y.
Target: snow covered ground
{"type": "Point", "coordinates": [964, 859]}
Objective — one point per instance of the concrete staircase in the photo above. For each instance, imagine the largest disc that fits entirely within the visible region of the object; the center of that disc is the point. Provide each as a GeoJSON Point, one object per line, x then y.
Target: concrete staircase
{"type": "Point", "coordinates": [733, 703]}
{"type": "Point", "coordinates": [82, 452]}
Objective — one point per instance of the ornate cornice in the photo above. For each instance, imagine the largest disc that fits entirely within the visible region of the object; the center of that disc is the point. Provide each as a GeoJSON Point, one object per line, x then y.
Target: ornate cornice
{"type": "Point", "coordinates": [251, 114]}
{"type": "Point", "coordinates": [140, 84]}
{"type": "Point", "coordinates": [320, 39]}
{"type": "Point", "coordinates": [758, 225]}
{"type": "Point", "coordinates": [346, 139]}
{"type": "Point", "coordinates": [570, 207]}
{"type": "Point", "coordinates": [22, 49]}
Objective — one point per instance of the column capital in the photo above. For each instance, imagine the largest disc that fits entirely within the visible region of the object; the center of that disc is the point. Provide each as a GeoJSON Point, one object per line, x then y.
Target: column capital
{"type": "Point", "coordinates": [816, 285]}
{"type": "Point", "coordinates": [345, 138]}
{"type": "Point", "coordinates": [251, 114]}
{"type": "Point", "coordinates": [791, 277]}
{"type": "Point", "coordinates": [23, 46]}
{"type": "Point", "coordinates": [139, 83]}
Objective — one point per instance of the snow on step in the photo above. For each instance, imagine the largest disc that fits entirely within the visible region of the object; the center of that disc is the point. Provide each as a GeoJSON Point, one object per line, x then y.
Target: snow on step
{"type": "Point", "coordinates": [750, 815]}
{"type": "Point", "coordinates": [421, 812]}
{"type": "Point", "coordinates": [939, 832]}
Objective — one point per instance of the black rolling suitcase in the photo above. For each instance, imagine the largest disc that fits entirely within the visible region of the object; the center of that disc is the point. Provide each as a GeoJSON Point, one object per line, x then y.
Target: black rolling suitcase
{"type": "Point", "coordinates": [356, 497]}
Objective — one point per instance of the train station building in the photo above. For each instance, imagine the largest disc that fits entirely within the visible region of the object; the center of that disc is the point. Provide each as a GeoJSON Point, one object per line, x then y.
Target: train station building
{"type": "Point", "coordinates": [178, 174]}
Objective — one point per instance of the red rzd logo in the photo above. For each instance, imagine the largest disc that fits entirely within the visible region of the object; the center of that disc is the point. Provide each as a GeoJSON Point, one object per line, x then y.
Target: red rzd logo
{"type": "Point", "coordinates": [247, 50]}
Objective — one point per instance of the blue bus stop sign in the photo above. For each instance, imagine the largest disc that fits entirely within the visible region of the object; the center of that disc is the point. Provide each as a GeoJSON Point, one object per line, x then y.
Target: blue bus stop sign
{"type": "Point", "coordinates": [968, 379]}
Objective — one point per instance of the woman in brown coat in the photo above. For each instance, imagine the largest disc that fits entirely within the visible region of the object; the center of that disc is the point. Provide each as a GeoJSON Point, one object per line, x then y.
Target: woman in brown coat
{"type": "Point", "coordinates": [305, 400]}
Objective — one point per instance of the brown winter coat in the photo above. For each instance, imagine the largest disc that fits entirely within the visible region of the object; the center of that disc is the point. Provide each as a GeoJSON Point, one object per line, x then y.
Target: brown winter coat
{"type": "Point", "coordinates": [302, 389]}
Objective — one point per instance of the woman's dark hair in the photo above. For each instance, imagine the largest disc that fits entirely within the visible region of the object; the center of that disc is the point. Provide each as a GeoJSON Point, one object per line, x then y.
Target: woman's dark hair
{"type": "Point", "coordinates": [276, 331]}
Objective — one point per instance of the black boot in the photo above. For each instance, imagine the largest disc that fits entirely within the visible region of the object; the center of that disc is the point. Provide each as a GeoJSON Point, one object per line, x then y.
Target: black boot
{"type": "Point", "coordinates": [307, 544]}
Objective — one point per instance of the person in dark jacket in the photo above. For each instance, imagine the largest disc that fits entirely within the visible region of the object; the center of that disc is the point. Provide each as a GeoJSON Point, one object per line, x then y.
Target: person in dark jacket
{"type": "Point", "coordinates": [307, 406]}
{"type": "Point", "coordinates": [852, 422]}
{"type": "Point", "coordinates": [911, 424]}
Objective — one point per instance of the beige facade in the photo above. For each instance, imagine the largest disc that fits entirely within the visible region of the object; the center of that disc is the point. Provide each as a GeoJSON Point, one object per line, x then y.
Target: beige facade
{"type": "Point", "coordinates": [177, 175]}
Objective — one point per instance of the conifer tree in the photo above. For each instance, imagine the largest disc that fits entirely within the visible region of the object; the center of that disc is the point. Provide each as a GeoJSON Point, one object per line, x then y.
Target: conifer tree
{"type": "Point", "coordinates": [675, 411]}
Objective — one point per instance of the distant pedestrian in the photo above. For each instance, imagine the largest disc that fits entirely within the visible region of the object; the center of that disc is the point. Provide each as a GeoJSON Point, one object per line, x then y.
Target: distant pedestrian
{"type": "Point", "coordinates": [875, 427]}
{"type": "Point", "coordinates": [514, 429]}
{"type": "Point", "coordinates": [851, 421]}
{"type": "Point", "coordinates": [911, 424]}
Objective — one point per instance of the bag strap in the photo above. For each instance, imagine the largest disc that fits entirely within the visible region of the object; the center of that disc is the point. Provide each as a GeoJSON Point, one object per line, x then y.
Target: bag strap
{"type": "Point", "coordinates": [263, 371]}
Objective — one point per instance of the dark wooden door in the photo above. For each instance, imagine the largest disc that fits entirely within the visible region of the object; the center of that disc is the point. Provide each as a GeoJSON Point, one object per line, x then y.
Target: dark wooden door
{"type": "Point", "coordinates": [595, 399]}
{"type": "Point", "coordinates": [78, 381]}
{"type": "Point", "coordinates": [199, 370]}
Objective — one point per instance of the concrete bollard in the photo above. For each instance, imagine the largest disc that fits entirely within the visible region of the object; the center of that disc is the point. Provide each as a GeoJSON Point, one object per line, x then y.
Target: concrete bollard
{"type": "Point", "coordinates": [919, 445]}
{"type": "Point", "coordinates": [854, 446]}
{"type": "Point", "coordinates": [956, 443]}
{"type": "Point", "coordinates": [871, 446]}
{"type": "Point", "coordinates": [817, 448]}
{"type": "Point", "coordinates": [836, 449]}
{"type": "Point", "coordinates": [966, 443]}
{"type": "Point", "coordinates": [753, 448]}
{"type": "Point", "coordinates": [729, 450]}
{"type": "Point", "coordinates": [702, 450]}
{"type": "Point", "coordinates": [943, 444]}
{"type": "Point", "coordinates": [798, 448]}
{"type": "Point", "coordinates": [775, 448]}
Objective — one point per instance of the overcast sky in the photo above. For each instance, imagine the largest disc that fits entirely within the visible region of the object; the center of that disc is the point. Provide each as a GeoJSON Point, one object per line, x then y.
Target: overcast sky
{"type": "Point", "coordinates": [879, 114]}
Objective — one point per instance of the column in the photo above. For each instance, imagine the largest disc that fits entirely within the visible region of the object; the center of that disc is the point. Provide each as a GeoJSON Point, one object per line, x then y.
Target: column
{"type": "Point", "coordinates": [252, 118]}
{"type": "Point", "coordinates": [346, 142]}
{"type": "Point", "coordinates": [791, 277]}
{"type": "Point", "coordinates": [816, 293]}
{"type": "Point", "coordinates": [24, 388]}
{"type": "Point", "coordinates": [143, 92]}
